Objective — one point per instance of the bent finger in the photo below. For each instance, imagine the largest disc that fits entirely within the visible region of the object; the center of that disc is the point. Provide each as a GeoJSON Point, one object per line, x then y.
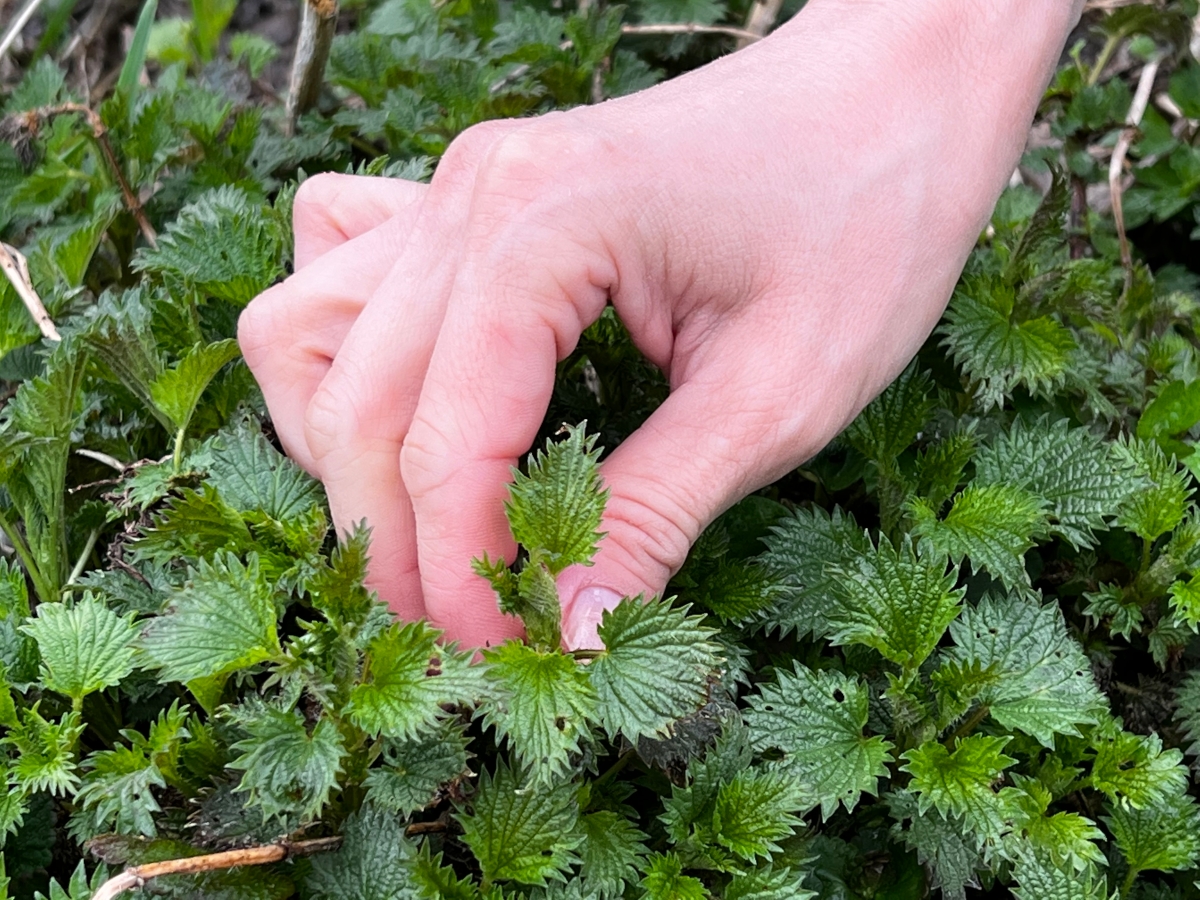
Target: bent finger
{"type": "Point", "coordinates": [330, 209]}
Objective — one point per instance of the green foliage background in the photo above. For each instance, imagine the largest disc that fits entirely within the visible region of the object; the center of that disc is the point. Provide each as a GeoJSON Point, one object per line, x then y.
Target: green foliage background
{"type": "Point", "coordinates": [954, 653]}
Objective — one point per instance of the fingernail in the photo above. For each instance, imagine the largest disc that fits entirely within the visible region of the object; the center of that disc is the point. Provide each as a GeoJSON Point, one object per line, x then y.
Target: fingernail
{"type": "Point", "coordinates": [581, 619]}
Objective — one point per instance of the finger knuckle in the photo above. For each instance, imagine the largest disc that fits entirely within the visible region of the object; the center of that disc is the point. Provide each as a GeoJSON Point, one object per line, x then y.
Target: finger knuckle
{"type": "Point", "coordinates": [256, 325]}
{"type": "Point", "coordinates": [314, 196]}
{"type": "Point", "coordinates": [329, 420]}
{"type": "Point", "coordinates": [653, 530]}
{"type": "Point", "coordinates": [462, 158]}
{"type": "Point", "coordinates": [426, 462]}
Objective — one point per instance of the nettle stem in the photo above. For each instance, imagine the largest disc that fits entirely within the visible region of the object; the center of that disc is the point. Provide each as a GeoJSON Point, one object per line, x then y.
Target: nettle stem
{"type": "Point", "coordinates": [41, 586]}
{"type": "Point", "coordinates": [1127, 884]}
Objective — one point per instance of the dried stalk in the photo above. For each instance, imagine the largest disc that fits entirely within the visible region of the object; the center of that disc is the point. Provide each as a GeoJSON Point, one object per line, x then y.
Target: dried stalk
{"type": "Point", "coordinates": [251, 856]}
{"type": "Point", "coordinates": [1116, 165]}
{"type": "Point", "coordinates": [318, 21]}
{"type": "Point", "coordinates": [692, 28]}
{"type": "Point", "coordinates": [761, 19]}
{"type": "Point", "coordinates": [13, 263]}
{"type": "Point", "coordinates": [18, 25]}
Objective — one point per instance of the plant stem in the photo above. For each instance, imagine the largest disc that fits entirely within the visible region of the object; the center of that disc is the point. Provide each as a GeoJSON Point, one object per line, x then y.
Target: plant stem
{"type": "Point", "coordinates": [1106, 52]}
{"type": "Point", "coordinates": [40, 585]}
{"type": "Point", "coordinates": [1127, 884]}
{"type": "Point", "coordinates": [967, 726]}
{"type": "Point", "coordinates": [586, 654]}
{"type": "Point", "coordinates": [83, 557]}
{"type": "Point", "coordinates": [1145, 557]}
{"type": "Point", "coordinates": [177, 456]}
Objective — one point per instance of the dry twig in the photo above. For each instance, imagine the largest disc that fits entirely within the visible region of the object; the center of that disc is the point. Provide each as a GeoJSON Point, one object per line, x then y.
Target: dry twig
{"type": "Point", "coordinates": [137, 876]}
{"type": "Point", "coordinates": [1116, 165]}
{"type": "Point", "coordinates": [763, 14]}
{"type": "Point", "coordinates": [13, 263]}
{"type": "Point", "coordinates": [14, 30]}
{"type": "Point", "coordinates": [692, 28]}
{"type": "Point", "coordinates": [318, 21]}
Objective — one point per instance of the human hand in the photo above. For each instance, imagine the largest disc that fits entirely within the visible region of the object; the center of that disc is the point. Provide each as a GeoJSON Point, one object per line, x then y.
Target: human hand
{"type": "Point", "coordinates": [779, 231]}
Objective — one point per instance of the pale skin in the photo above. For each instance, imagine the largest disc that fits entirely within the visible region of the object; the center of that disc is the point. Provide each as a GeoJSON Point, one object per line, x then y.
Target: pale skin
{"type": "Point", "coordinates": [779, 231]}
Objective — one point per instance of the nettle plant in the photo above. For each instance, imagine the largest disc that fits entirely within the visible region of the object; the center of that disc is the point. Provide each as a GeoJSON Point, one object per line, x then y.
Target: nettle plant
{"type": "Point", "coordinates": [954, 652]}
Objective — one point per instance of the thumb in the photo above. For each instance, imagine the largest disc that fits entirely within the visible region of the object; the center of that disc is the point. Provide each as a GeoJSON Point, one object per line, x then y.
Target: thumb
{"type": "Point", "coordinates": [667, 482]}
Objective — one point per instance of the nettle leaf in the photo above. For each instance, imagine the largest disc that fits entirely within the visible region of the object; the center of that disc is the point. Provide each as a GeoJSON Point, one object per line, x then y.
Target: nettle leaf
{"type": "Point", "coordinates": [688, 812]}
{"type": "Point", "coordinates": [252, 476]}
{"type": "Point", "coordinates": [407, 676]}
{"type": "Point", "coordinates": [1066, 837]}
{"type": "Point", "coordinates": [1124, 616]}
{"type": "Point", "coordinates": [222, 245]}
{"type": "Point", "coordinates": [413, 771]}
{"type": "Point", "coordinates": [1185, 601]}
{"type": "Point", "coordinates": [1159, 506]}
{"type": "Point", "coordinates": [337, 588]}
{"type": "Point", "coordinates": [894, 600]}
{"type": "Point", "coordinates": [194, 525]}
{"type": "Point", "coordinates": [664, 880]}
{"type": "Point", "coordinates": [223, 619]}
{"type": "Point", "coordinates": [519, 834]}
{"type": "Point", "coordinates": [1040, 877]}
{"type": "Point", "coordinates": [373, 863]}
{"type": "Point", "coordinates": [1187, 710]}
{"type": "Point", "coordinates": [1134, 770]}
{"type": "Point", "coordinates": [1043, 682]}
{"type": "Point", "coordinates": [1000, 351]}
{"type": "Point", "coordinates": [1162, 836]}
{"type": "Point", "coordinates": [177, 390]}
{"type": "Point", "coordinates": [611, 852]}
{"type": "Point", "coordinates": [557, 507]}
{"type": "Point", "coordinates": [1173, 411]}
{"type": "Point", "coordinates": [654, 669]}
{"type": "Point", "coordinates": [117, 792]}
{"type": "Point", "coordinates": [801, 549]}
{"type": "Point", "coordinates": [754, 810]}
{"type": "Point", "coordinates": [736, 591]}
{"type": "Point", "coordinates": [959, 782]}
{"type": "Point", "coordinates": [940, 468]}
{"type": "Point", "coordinates": [892, 421]}
{"type": "Point", "coordinates": [543, 704]}
{"type": "Point", "coordinates": [943, 844]}
{"type": "Point", "coordinates": [768, 883]}
{"type": "Point", "coordinates": [816, 720]}
{"type": "Point", "coordinates": [45, 753]}
{"type": "Point", "coordinates": [286, 770]}
{"type": "Point", "coordinates": [84, 648]}
{"type": "Point", "coordinates": [992, 525]}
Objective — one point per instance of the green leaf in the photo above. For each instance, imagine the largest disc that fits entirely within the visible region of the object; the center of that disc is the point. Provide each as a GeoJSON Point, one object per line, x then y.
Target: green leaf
{"type": "Point", "coordinates": [252, 476]}
{"type": "Point", "coordinates": [543, 705]}
{"type": "Point", "coordinates": [177, 390]}
{"type": "Point", "coordinates": [992, 525]}
{"type": "Point", "coordinates": [816, 721]}
{"type": "Point", "coordinates": [801, 551]}
{"type": "Point", "coordinates": [736, 591]}
{"type": "Point", "coordinates": [1069, 468]}
{"type": "Point", "coordinates": [373, 863]}
{"type": "Point", "coordinates": [222, 620]}
{"type": "Point", "coordinates": [665, 880]}
{"type": "Point", "coordinates": [337, 589]}
{"type": "Point", "coordinates": [940, 468]}
{"type": "Point", "coordinates": [689, 812]}
{"type": "Point", "coordinates": [1185, 601]}
{"type": "Point", "coordinates": [611, 852]}
{"type": "Point", "coordinates": [519, 834]}
{"type": "Point", "coordinates": [194, 525]}
{"type": "Point", "coordinates": [1163, 836]}
{"type": "Point", "coordinates": [45, 753]}
{"type": "Point", "coordinates": [79, 887]}
{"type": "Point", "coordinates": [654, 668]}
{"type": "Point", "coordinates": [894, 600]}
{"type": "Point", "coordinates": [1039, 877]}
{"type": "Point", "coordinates": [407, 676]}
{"type": "Point", "coordinates": [1043, 682]}
{"type": "Point", "coordinates": [1134, 769]}
{"type": "Point", "coordinates": [1159, 507]}
{"type": "Point", "coordinates": [413, 771]}
{"type": "Point", "coordinates": [221, 245]}
{"type": "Point", "coordinates": [1066, 837]}
{"type": "Point", "coordinates": [1187, 710]}
{"type": "Point", "coordinates": [117, 792]}
{"type": "Point", "coordinates": [286, 770]}
{"type": "Point", "coordinates": [84, 648]}
{"type": "Point", "coordinates": [557, 507]}
{"type": "Point", "coordinates": [1174, 410]}
{"type": "Point", "coordinates": [959, 782]}
{"type": "Point", "coordinates": [892, 421]}
{"type": "Point", "coordinates": [1124, 615]}
{"type": "Point", "coordinates": [767, 883]}
{"type": "Point", "coordinates": [943, 844]}
{"type": "Point", "coordinates": [754, 810]}
{"type": "Point", "coordinates": [131, 69]}
{"type": "Point", "coordinates": [999, 351]}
